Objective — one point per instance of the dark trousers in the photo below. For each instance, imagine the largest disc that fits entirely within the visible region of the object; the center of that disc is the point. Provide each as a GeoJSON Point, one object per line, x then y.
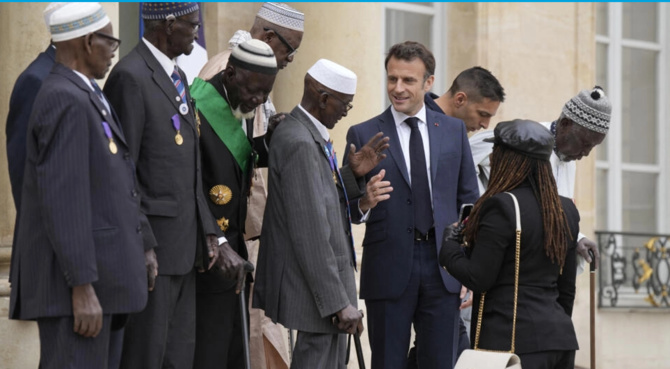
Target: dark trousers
{"type": "Point", "coordinates": [61, 347]}
{"type": "Point", "coordinates": [426, 303]}
{"type": "Point", "coordinates": [218, 343]}
{"type": "Point", "coordinates": [319, 351]}
{"type": "Point", "coordinates": [163, 334]}
{"type": "Point", "coordinates": [548, 360]}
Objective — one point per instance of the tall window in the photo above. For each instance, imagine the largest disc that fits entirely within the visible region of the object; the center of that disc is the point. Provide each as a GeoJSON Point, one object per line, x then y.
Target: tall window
{"type": "Point", "coordinates": [632, 163]}
{"type": "Point", "coordinates": [421, 22]}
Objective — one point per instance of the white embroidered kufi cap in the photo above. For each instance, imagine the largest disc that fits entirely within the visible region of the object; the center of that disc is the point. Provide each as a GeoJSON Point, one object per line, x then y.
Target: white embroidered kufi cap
{"type": "Point", "coordinates": [48, 11]}
{"type": "Point", "coordinates": [254, 55]}
{"type": "Point", "coordinates": [334, 76]}
{"type": "Point", "coordinates": [283, 16]}
{"type": "Point", "coordinates": [74, 20]}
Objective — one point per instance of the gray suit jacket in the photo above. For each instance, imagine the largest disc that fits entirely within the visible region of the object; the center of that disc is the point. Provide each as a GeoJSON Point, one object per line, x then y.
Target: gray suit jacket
{"type": "Point", "coordinates": [305, 268]}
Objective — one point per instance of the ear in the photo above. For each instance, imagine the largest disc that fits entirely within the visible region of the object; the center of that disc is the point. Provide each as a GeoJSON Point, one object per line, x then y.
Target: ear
{"type": "Point", "coordinates": [460, 99]}
{"type": "Point", "coordinates": [169, 24]}
{"type": "Point", "coordinates": [229, 72]}
{"type": "Point", "coordinates": [268, 36]}
{"type": "Point", "coordinates": [428, 84]}
{"type": "Point", "coordinates": [323, 100]}
{"type": "Point", "coordinates": [565, 122]}
{"type": "Point", "coordinates": [88, 39]}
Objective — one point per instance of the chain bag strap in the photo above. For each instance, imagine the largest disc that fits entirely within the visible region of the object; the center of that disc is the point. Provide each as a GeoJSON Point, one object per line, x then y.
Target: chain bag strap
{"type": "Point", "coordinates": [490, 359]}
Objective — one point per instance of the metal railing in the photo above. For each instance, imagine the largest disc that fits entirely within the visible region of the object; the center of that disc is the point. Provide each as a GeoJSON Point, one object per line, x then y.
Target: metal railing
{"type": "Point", "coordinates": [634, 270]}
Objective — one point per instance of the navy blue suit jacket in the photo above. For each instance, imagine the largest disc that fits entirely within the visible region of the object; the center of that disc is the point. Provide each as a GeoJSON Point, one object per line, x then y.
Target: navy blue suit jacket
{"type": "Point", "coordinates": [80, 216]}
{"type": "Point", "coordinates": [389, 232]}
{"type": "Point", "coordinates": [20, 106]}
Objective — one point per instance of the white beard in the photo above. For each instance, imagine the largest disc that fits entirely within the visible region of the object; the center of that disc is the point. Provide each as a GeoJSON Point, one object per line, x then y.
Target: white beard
{"type": "Point", "coordinates": [237, 113]}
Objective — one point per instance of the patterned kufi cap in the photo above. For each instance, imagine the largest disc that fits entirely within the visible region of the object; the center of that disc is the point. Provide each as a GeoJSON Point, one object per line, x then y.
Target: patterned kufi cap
{"type": "Point", "coordinates": [590, 109]}
{"type": "Point", "coordinates": [74, 20]}
{"type": "Point", "coordinates": [334, 76]}
{"type": "Point", "coordinates": [48, 12]}
{"type": "Point", "coordinates": [160, 11]}
{"type": "Point", "coordinates": [283, 16]}
{"type": "Point", "coordinates": [254, 55]}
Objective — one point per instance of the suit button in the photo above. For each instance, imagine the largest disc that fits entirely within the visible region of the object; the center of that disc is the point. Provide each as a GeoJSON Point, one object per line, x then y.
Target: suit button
{"type": "Point", "coordinates": [409, 230]}
{"type": "Point", "coordinates": [126, 156]}
{"type": "Point", "coordinates": [133, 193]}
{"type": "Point", "coordinates": [409, 201]}
{"type": "Point", "coordinates": [139, 229]}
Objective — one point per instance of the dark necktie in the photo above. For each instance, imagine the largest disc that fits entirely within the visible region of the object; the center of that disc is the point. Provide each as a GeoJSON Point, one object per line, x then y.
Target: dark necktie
{"type": "Point", "coordinates": [98, 92]}
{"type": "Point", "coordinates": [332, 159]}
{"type": "Point", "coordinates": [423, 210]}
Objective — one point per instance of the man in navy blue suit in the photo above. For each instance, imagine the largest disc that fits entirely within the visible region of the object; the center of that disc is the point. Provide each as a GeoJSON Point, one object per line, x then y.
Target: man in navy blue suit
{"type": "Point", "coordinates": [430, 168]}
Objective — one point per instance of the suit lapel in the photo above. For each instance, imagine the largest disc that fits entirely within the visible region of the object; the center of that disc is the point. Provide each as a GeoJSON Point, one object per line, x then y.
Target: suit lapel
{"type": "Point", "coordinates": [387, 125]}
{"type": "Point", "coordinates": [164, 82]}
{"type": "Point", "coordinates": [435, 135]}
{"type": "Point", "coordinates": [307, 122]}
{"type": "Point", "coordinates": [105, 115]}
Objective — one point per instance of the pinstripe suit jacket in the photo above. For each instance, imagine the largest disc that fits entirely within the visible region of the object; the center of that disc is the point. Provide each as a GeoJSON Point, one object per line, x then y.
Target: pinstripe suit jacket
{"type": "Point", "coordinates": [305, 268]}
{"type": "Point", "coordinates": [169, 175]}
{"type": "Point", "coordinates": [80, 214]}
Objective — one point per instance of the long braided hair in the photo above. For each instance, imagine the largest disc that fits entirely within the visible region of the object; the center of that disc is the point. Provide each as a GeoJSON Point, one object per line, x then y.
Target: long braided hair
{"type": "Point", "coordinates": [509, 169]}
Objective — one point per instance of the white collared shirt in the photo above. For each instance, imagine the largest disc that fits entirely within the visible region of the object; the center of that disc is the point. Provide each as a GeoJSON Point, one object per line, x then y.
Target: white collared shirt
{"type": "Point", "coordinates": [404, 133]}
{"type": "Point", "coordinates": [165, 62]}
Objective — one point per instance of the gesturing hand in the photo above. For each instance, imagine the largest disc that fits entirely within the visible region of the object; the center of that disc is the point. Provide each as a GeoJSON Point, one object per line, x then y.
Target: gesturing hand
{"type": "Point", "coordinates": [364, 160]}
{"type": "Point", "coordinates": [86, 310]}
{"type": "Point", "coordinates": [376, 190]}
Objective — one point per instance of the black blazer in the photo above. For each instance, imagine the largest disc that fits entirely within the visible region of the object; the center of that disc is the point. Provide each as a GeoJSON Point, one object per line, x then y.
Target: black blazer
{"type": "Point", "coordinates": [80, 214]}
{"type": "Point", "coordinates": [546, 295]}
{"type": "Point", "coordinates": [219, 167]}
{"type": "Point", "coordinates": [20, 106]}
{"type": "Point", "coordinates": [169, 175]}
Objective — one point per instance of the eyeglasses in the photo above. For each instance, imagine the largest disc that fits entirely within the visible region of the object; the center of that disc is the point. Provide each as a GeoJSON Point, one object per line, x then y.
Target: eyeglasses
{"type": "Point", "coordinates": [347, 106]}
{"type": "Point", "coordinates": [194, 25]}
{"type": "Point", "coordinates": [114, 42]}
{"type": "Point", "coordinates": [291, 49]}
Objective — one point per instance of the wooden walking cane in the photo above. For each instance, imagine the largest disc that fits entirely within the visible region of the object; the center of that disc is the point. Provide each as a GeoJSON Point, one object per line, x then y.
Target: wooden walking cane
{"type": "Point", "coordinates": [592, 314]}
{"type": "Point", "coordinates": [248, 268]}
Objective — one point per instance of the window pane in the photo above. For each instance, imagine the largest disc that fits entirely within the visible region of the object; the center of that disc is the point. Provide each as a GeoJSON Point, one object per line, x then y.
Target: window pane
{"type": "Point", "coordinates": [639, 202]}
{"type": "Point", "coordinates": [404, 26]}
{"type": "Point", "coordinates": [639, 95]}
{"type": "Point", "coordinates": [602, 63]}
{"type": "Point", "coordinates": [601, 199]}
{"type": "Point", "coordinates": [602, 20]}
{"type": "Point", "coordinates": [640, 21]}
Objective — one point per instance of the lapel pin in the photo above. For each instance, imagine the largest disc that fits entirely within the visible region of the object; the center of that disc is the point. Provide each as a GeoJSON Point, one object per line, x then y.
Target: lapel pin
{"type": "Point", "coordinates": [437, 124]}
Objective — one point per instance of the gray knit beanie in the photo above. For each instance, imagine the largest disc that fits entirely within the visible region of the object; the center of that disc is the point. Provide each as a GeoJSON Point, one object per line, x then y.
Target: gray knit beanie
{"type": "Point", "coordinates": [590, 109]}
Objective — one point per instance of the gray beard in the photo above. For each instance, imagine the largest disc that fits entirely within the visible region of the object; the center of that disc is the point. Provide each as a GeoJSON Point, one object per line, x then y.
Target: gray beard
{"type": "Point", "coordinates": [237, 113]}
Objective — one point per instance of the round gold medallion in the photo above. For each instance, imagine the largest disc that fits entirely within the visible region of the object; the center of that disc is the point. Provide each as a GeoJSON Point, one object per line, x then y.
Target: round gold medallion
{"type": "Point", "coordinates": [112, 147]}
{"type": "Point", "coordinates": [220, 194]}
{"type": "Point", "coordinates": [178, 139]}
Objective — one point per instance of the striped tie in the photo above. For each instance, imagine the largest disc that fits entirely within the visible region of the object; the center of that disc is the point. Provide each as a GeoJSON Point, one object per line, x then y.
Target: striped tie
{"type": "Point", "coordinates": [178, 83]}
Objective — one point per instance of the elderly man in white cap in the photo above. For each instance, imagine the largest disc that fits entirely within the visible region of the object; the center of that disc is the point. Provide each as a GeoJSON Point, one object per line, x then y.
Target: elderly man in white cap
{"type": "Point", "coordinates": [225, 107]}
{"type": "Point", "coordinates": [305, 274]}
{"type": "Point", "coordinates": [78, 268]}
{"type": "Point", "coordinates": [582, 125]}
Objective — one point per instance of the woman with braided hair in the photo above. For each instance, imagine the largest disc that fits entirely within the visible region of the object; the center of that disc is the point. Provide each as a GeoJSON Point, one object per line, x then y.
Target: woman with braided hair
{"type": "Point", "coordinates": [539, 328]}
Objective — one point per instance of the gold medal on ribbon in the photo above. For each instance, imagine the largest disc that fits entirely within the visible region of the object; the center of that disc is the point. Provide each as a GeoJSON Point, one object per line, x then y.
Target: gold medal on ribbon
{"type": "Point", "coordinates": [112, 146]}
{"type": "Point", "coordinates": [223, 223]}
{"type": "Point", "coordinates": [220, 194]}
{"type": "Point", "coordinates": [178, 139]}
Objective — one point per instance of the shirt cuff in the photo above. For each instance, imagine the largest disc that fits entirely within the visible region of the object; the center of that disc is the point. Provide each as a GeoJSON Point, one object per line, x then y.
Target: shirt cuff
{"type": "Point", "coordinates": [364, 216]}
{"type": "Point", "coordinates": [222, 240]}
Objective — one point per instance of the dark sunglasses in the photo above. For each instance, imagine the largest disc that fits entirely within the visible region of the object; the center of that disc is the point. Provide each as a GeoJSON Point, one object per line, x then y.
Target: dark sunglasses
{"type": "Point", "coordinates": [291, 49]}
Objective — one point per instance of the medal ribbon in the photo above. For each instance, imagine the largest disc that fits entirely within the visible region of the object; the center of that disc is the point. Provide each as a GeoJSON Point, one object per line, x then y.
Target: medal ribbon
{"type": "Point", "coordinates": [108, 131]}
{"type": "Point", "coordinates": [220, 117]}
{"type": "Point", "coordinates": [332, 159]}
{"type": "Point", "coordinates": [176, 123]}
